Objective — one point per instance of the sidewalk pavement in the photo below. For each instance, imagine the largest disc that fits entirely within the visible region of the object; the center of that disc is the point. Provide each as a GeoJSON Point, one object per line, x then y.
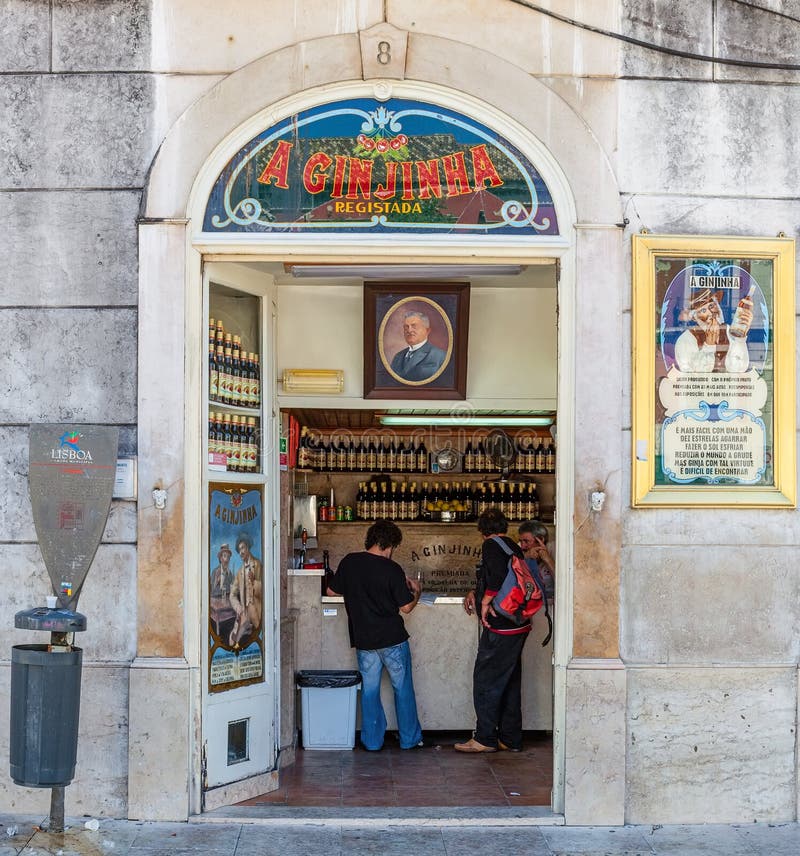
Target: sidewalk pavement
{"type": "Point", "coordinates": [328, 837]}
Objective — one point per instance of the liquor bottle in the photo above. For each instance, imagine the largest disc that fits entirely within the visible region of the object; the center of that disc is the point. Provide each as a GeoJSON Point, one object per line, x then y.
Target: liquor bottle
{"type": "Point", "coordinates": [341, 456]}
{"type": "Point", "coordinates": [424, 502]}
{"type": "Point", "coordinates": [236, 444]}
{"type": "Point", "coordinates": [304, 451]}
{"type": "Point", "coordinates": [360, 500]}
{"type": "Point", "coordinates": [222, 375]}
{"type": "Point", "coordinates": [413, 502]}
{"type": "Point", "coordinates": [391, 457]}
{"type": "Point", "coordinates": [212, 332]}
{"type": "Point", "coordinates": [351, 456]}
{"type": "Point", "coordinates": [393, 502]}
{"type": "Point", "coordinates": [402, 505]}
{"type": "Point", "coordinates": [541, 461]}
{"type": "Point", "coordinates": [213, 374]}
{"type": "Point", "coordinates": [372, 455]}
{"type": "Point", "coordinates": [469, 458]}
{"type": "Point", "coordinates": [550, 458]}
{"type": "Point", "coordinates": [361, 456]}
{"type": "Point", "coordinates": [480, 458]}
{"type": "Point", "coordinates": [244, 364]}
{"type": "Point", "coordinates": [402, 457]}
{"type": "Point", "coordinates": [327, 573]}
{"type": "Point", "coordinates": [212, 435]}
{"type": "Point", "coordinates": [227, 441]}
{"type": "Point", "coordinates": [380, 458]}
{"type": "Point", "coordinates": [373, 504]}
{"type": "Point", "coordinates": [236, 373]}
{"type": "Point", "coordinates": [738, 327]}
{"type": "Point", "coordinates": [422, 458]}
{"type": "Point", "coordinates": [252, 440]}
{"type": "Point", "coordinates": [534, 502]}
{"type": "Point", "coordinates": [228, 374]}
{"type": "Point", "coordinates": [255, 381]}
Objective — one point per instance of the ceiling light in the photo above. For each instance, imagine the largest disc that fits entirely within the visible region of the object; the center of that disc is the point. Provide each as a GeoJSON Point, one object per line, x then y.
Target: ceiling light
{"type": "Point", "coordinates": [401, 271]}
{"type": "Point", "coordinates": [467, 420]}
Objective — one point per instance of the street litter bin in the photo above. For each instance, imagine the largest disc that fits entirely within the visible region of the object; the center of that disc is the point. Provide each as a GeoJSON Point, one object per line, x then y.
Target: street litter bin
{"type": "Point", "coordinates": [328, 704]}
{"type": "Point", "coordinates": [45, 708]}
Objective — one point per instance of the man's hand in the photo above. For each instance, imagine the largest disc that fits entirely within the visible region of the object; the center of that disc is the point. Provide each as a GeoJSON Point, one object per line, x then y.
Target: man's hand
{"type": "Point", "coordinates": [486, 610]}
{"type": "Point", "coordinates": [469, 603]}
{"type": "Point", "coordinates": [414, 587]}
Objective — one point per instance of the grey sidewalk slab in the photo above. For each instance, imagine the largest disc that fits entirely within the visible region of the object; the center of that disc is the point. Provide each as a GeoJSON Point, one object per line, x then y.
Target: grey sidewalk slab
{"type": "Point", "coordinates": [333, 835]}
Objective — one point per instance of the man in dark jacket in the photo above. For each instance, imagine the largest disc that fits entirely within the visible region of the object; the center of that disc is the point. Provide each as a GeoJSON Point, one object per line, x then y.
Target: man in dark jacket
{"type": "Point", "coordinates": [421, 359]}
{"type": "Point", "coordinates": [497, 676]}
{"type": "Point", "coordinates": [376, 590]}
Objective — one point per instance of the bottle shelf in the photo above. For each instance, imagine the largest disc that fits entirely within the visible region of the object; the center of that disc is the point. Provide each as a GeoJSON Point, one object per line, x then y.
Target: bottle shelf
{"type": "Point", "coordinates": [255, 410]}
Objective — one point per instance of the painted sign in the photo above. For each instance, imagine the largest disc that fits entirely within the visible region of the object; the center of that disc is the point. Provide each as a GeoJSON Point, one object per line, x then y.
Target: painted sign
{"type": "Point", "coordinates": [444, 566]}
{"type": "Point", "coordinates": [714, 336]}
{"type": "Point", "coordinates": [71, 479]}
{"type": "Point", "coordinates": [236, 588]}
{"type": "Point", "coordinates": [366, 166]}
{"type": "Point", "coordinates": [713, 371]}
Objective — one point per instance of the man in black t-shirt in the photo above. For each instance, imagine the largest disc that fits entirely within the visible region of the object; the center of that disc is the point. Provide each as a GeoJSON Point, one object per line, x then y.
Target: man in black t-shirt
{"type": "Point", "coordinates": [376, 590]}
{"type": "Point", "coordinates": [497, 676]}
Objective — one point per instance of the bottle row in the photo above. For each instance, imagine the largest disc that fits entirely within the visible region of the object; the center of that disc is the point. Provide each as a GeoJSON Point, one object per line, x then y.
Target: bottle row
{"type": "Point", "coordinates": [447, 502]}
{"type": "Point", "coordinates": [234, 375]}
{"type": "Point", "coordinates": [390, 455]}
{"type": "Point", "coordinates": [233, 442]}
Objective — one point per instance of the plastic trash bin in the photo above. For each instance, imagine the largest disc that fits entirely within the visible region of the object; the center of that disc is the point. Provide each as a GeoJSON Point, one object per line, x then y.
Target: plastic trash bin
{"type": "Point", "coordinates": [328, 703]}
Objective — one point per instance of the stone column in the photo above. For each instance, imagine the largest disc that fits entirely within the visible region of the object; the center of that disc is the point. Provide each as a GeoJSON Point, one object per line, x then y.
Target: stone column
{"type": "Point", "coordinates": [595, 678]}
{"type": "Point", "coordinates": [160, 687]}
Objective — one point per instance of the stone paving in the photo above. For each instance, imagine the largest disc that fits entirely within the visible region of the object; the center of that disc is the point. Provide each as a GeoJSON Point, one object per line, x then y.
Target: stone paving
{"type": "Point", "coordinates": [329, 836]}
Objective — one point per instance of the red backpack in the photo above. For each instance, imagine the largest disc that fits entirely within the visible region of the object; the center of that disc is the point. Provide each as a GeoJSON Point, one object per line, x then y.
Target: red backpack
{"type": "Point", "coordinates": [521, 596]}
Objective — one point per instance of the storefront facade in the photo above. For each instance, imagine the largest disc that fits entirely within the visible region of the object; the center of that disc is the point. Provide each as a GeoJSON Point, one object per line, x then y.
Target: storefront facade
{"type": "Point", "coordinates": [652, 679]}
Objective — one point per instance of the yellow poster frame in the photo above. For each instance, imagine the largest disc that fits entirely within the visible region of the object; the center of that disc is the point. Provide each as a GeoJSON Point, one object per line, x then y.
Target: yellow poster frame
{"type": "Point", "coordinates": [646, 250]}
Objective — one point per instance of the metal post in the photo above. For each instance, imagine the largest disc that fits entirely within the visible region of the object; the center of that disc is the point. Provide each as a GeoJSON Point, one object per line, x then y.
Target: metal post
{"type": "Point", "coordinates": [57, 809]}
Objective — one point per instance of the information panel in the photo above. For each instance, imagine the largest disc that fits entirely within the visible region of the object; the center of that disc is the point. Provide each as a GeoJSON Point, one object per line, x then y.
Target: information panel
{"type": "Point", "coordinates": [713, 371]}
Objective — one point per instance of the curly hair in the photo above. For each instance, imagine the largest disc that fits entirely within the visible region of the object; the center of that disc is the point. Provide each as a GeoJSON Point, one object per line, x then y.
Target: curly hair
{"type": "Point", "coordinates": [492, 521]}
{"type": "Point", "coordinates": [384, 533]}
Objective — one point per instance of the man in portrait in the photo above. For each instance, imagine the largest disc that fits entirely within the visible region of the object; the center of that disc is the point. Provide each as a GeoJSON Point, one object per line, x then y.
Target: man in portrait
{"type": "Point", "coordinates": [421, 359]}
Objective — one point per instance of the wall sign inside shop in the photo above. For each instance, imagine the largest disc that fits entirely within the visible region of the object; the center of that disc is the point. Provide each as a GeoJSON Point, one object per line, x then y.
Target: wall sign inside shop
{"type": "Point", "coordinates": [714, 371]}
{"type": "Point", "coordinates": [443, 566]}
{"type": "Point", "coordinates": [364, 166]}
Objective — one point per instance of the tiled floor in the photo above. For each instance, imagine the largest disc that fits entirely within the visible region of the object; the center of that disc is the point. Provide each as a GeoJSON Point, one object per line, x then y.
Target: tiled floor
{"type": "Point", "coordinates": [436, 775]}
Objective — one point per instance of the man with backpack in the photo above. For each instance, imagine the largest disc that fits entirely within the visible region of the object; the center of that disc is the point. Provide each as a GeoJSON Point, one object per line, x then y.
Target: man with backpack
{"type": "Point", "coordinates": [497, 676]}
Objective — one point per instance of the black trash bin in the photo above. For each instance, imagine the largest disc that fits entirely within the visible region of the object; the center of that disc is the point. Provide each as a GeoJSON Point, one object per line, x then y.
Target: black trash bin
{"type": "Point", "coordinates": [45, 708]}
{"type": "Point", "coordinates": [328, 701]}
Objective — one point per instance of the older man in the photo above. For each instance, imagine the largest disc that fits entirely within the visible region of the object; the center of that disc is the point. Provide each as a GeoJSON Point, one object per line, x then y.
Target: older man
{"type": "Point", "coordinates": [420, 360]}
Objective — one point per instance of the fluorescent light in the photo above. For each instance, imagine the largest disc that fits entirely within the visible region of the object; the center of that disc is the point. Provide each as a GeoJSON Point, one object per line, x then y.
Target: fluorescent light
{"type": "Point", "coordinates": [302, 381]}
{"type": "Point", "coordinates": [400, 271]}
{"type": "Point", "coordinates": [496, 421]}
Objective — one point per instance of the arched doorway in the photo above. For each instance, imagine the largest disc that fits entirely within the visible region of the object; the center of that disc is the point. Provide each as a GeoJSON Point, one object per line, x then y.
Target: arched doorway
{"type": "Point", "coordinates": [172, 253]}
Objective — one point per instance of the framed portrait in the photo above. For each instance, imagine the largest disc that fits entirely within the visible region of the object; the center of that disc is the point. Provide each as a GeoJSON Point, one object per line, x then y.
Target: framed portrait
{"type": "Point", "coordinates": [713, 371]}
{"type": "Point", "coordinates": [415, 340]}
{"type": "Point", "coordinates": [235, 586]}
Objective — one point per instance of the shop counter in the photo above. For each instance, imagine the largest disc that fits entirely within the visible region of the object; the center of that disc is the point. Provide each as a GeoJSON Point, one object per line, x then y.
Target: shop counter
{"type": "Point", "coordinates": [443, 642]}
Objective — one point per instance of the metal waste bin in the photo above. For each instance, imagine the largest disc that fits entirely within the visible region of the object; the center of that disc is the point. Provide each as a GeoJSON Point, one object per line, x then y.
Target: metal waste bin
{"type": "Point", "coordinates": [45, 702]}
{"type": "Point", "coordinates": [328, 703]}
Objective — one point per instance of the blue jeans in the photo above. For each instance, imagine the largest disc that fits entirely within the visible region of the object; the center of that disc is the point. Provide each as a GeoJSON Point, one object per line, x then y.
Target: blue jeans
{"type": "Point", "coordinates": [397, 661]}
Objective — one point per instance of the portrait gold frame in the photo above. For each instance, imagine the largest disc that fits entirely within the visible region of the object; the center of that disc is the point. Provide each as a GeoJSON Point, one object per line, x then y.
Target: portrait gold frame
{"type": "Point", "coordinates": [646, 251]}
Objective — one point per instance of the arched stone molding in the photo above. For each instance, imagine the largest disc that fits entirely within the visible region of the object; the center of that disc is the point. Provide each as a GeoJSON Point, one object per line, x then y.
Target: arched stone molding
{"type": "Point", "coordinates": [255, 90]}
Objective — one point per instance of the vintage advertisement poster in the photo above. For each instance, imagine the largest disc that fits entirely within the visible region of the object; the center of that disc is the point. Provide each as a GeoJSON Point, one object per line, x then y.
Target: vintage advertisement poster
{"type": "Point", "coordinates": [715, 373]}
{"type": "Point", "coordinates": [235, 587]}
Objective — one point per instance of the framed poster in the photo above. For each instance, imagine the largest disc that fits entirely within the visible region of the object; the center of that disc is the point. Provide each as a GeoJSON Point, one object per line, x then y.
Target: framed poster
{"type": "Point", "coordinates": [235, 587]}
{"type": "Point", "coordinates": [415, 340]}
{"type": "Point", "coordinates": [713, 371]}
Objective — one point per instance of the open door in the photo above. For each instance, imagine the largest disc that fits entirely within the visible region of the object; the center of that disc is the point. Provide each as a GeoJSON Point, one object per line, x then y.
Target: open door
{"type": "Point", "coordinates": [239, 576]}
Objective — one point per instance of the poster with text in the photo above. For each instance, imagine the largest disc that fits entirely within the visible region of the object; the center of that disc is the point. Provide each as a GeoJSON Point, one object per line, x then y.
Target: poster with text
{"type": "Point", "coordinates": [716, 346]}
{"type": "Point", "coordinates": [236, 587]}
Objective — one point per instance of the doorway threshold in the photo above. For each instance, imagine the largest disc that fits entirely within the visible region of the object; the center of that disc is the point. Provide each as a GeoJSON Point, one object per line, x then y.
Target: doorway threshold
{"type": "Point", "coordinates": [373, 816]}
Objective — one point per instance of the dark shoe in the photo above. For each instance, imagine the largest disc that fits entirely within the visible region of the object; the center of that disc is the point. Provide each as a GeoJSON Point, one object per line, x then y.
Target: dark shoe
{"type": "Point", "coordinates": [503, 748]}
{"type": "Point", "coordinates": [473, 746]}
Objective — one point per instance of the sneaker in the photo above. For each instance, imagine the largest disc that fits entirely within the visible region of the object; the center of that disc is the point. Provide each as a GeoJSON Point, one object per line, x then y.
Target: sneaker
{"type": "Point", "coordinates": [473, 746]}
